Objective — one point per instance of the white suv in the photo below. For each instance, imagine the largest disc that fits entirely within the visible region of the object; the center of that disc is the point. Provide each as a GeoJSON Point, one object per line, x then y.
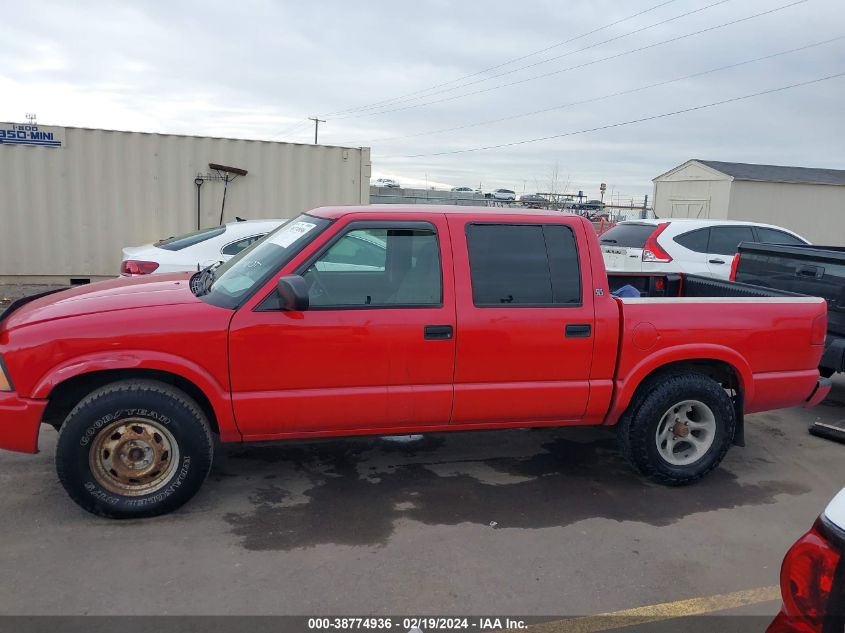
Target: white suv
{"type": "Point", "coordinates": [701, 247]}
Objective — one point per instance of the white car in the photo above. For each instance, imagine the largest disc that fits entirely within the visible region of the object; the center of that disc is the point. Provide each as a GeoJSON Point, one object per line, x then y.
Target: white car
{"type": "Point", "coordinates": [505, 195]}
{"type": "Point", "coordinates": [466, 190]}
{"type": "Point", "coordinates": [386, 182]}
{"type": "Point", "coordinates": [192, 250]}
{"type": "Point", "coordinates": [700, 247]}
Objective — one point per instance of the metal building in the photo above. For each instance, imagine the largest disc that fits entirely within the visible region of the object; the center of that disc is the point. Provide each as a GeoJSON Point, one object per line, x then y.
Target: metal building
{"type": "Point", "coordinates": [809, 201]}
{"type": "Point", "coordinates": [73, 197]}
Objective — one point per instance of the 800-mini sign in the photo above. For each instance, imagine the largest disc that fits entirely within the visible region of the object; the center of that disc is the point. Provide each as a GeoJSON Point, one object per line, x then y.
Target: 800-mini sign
{"type": "Point", "coordinates": [34, 135]}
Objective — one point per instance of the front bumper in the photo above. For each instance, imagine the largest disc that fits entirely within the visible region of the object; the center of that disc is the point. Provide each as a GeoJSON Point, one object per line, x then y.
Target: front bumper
{"type": "Point", "coordinates": [820, 393]}
{"type": "Point", "coordinates": [20, 421]}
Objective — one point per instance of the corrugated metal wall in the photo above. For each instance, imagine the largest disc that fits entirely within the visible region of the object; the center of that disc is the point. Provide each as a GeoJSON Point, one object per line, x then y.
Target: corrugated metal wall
{"type": "Point", "coordinates": [67, 212]}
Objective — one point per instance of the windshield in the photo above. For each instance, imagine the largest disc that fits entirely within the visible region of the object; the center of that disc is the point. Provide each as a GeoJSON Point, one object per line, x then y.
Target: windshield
{"type": "Point", "coordinates": [236, 280]}
{"type": "Point", "coordinates": [189, 239]}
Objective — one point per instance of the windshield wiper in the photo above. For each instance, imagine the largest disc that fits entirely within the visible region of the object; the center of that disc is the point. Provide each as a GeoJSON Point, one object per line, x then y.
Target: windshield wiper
{"type": "Point", "coordinates": [202, 281]}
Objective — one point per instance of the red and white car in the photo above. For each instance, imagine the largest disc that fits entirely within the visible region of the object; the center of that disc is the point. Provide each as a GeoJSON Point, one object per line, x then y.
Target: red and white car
{"type": "Point", "coordinates": [812, 577]}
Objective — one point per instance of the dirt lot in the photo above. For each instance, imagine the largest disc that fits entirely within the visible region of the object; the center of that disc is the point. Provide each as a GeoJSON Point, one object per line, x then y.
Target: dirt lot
{"type": "Point", "coordinates": [513, 522]}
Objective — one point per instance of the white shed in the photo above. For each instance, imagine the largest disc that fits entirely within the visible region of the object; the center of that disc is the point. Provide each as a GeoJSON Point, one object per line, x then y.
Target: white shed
{"type": "Point", "coordinates": [806, 200]}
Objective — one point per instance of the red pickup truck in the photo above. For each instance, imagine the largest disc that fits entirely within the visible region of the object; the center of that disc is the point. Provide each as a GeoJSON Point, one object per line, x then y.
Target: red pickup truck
{"type": "Point", "coordinates": [393, 320]}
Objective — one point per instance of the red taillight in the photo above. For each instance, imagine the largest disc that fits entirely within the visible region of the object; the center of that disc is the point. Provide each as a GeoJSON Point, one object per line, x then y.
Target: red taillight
{"type": "Point", "coordinates": [135, 267]}
{"type": "Point", "coordinates": [806, 580]}
{"type": "Point", "coordinates": [819, 330]}
{"type": "Point", "coordinates": [734, 266]}
{"type": "Point", "coordinates": [652, 251]}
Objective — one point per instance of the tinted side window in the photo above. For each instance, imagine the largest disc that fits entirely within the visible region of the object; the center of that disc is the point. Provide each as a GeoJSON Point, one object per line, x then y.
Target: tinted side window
{"type": "Point", "coordinates": [773, 236]}
{"type": "Point", "coordinates": [378, 268]}
{"type": "Point", "coordinates": [724, 240]}
{"type": "Point", "coordinates": [523, 264]}
{"type": "Point", "coordinates": [236, 247]}
{"type": "Point", "coordinates": [358, 248]}
{"type": "Point", "coordinates": [695, 240]}
{"type": "Point", "coordinates": [564, 264]}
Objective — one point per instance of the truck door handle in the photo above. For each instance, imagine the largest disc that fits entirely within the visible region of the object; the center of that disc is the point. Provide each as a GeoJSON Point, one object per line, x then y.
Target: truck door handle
{"type": "Point", "coordinates": [717, 261]}
{"type": "Point", "coordinates": [578, 330]}
{"type": "Point", "coordinates": [817, 272]}
{"type": "Point", "coordinates": [437, 332]}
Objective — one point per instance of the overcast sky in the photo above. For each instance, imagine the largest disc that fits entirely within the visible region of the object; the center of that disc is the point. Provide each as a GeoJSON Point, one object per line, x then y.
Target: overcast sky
{"type": "Point", "coordinates": [257, 69]}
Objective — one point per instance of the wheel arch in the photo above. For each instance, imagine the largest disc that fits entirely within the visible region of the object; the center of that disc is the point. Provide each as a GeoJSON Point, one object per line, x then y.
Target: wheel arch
{"type": "Point", "coordinates": [724, 365]}
{"type": "Point", "coordinates": [65, 387]}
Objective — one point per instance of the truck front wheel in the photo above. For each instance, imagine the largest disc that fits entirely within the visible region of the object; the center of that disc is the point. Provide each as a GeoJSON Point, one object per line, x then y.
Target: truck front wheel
{"type": "Point", "coordinates": [134, 448]}
{"type": "Point", "coordinates": [680, 430]}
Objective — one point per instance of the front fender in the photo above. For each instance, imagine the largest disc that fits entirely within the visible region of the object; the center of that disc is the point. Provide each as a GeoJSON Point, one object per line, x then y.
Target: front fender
{"type": "Point", "coordinates": [218, 395]}
{"type": "Point", "coordinates": [627, 386]}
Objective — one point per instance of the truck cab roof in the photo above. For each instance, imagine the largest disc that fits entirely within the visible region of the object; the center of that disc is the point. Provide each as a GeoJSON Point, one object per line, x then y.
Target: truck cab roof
{"type": "Point", "coordinates": [333, 213]}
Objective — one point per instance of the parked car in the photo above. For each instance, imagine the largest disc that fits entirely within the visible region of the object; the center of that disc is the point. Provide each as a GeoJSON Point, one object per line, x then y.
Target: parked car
{"type": "Point", "coordinates": [503, 195]}
{"type": "Point", "coordinates": [701, 247]}
{"type": "Point", "coordinates": [195, 250]}
{"type": "Point", "coordinates": [345, 321]}
{"type": "Point", "coordinates": [466, 189]}
{"type": "Point", "coordinates": [533, 201]}
{"type": "Point", "coordinates": [386, 182]}
{"type": "Point", "coordinates": [805, 269]}
{"type": "Point", "coordinates": [812, 577]}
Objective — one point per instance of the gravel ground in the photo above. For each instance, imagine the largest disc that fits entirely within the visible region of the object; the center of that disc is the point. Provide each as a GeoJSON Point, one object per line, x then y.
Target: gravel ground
{"type": "Point", "coordinates": [12, 292]}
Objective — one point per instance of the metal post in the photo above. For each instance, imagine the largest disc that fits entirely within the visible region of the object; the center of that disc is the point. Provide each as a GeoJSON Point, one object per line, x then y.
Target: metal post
{"type": "Point", "coordinates": [198, 182]}
{"type": "Point", "coordinates": [645, 207]}
{"type": "Point", "coordinates": [316, 126]}
{"type": "Point", "coordinates": [226, 182]}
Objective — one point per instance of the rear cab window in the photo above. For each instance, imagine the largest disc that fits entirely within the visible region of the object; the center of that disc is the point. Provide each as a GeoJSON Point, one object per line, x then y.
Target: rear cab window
{"type": "Point", "coordinates": [633, 235]}
{"type": "Point", "coordinates": [523, 265]}
{"type": "Point", "coordinates": [189, 239]}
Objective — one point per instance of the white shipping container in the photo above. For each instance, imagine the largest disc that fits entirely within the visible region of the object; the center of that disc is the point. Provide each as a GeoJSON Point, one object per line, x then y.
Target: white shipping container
{"type": "Point", "coordinates": [73, 197]}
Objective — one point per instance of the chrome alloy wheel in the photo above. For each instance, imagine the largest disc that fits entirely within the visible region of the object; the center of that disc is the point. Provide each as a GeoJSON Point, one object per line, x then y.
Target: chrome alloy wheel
{"type": "Point", "coordinates": [686, 432]}
{"type": "Point", "coordinates": [133, 456]}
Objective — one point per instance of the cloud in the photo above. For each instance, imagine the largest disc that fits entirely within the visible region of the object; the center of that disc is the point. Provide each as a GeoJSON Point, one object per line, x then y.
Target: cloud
{"type": "Point", "coordinates": [259, 68]}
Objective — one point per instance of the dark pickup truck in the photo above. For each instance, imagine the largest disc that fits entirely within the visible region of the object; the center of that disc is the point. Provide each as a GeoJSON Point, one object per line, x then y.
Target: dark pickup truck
{"type": "Point", "coordinates": [818, 271]}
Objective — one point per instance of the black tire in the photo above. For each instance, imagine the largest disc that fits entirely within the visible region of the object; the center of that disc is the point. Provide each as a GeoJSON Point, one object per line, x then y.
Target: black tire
{"type": "Point", "coordinates": [826, 372]}
{"type": "Point", "coordinates": [639, 426]}
{"type": "Point", "coordinates": [149, 420]}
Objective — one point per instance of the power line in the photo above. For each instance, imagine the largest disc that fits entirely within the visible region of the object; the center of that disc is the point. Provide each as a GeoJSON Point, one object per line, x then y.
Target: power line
{"type": "Point", "coordinates": [505, 63]}
{"type": "Point", "coordinates": [631, 122]}
{"type": "Point", "coordinates": [288, 130]}
{"type": "Point", "coordinates": [613, 94]}
{"type": "Point", "coordinates": [585, 64]}
{"type": "Point", "coordinates": [552, 59]}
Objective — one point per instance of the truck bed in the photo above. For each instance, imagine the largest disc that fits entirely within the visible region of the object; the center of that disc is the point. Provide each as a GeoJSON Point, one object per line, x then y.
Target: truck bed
{"type": "Point", "coordinates": [681, 285]}
{"type": "Point", "coordinates": [735, 322]}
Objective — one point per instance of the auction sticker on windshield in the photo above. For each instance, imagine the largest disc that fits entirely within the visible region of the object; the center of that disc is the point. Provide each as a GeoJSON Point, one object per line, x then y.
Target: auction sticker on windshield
{"type": "Point", "coordinates": [292, 232]}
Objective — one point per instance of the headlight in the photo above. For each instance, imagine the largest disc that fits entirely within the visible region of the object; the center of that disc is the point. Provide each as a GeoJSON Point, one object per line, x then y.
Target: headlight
{"type": "Point", "coordinates": [5, 383]}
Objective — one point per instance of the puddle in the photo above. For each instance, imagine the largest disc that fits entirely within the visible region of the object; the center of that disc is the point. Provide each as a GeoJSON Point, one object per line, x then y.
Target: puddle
{"type": "Point", "coordinates": [351, 492]}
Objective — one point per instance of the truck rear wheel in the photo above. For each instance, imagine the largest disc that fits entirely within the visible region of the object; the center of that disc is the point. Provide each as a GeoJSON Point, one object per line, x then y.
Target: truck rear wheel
{"type": "Point", "coordinates": [679, 431]}
{"type": "Point", "coordinates": [134, 448]}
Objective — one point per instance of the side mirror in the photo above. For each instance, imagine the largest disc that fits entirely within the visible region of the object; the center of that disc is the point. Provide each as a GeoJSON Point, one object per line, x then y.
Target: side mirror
{"type": "Point", "coordinates": [293, 291]}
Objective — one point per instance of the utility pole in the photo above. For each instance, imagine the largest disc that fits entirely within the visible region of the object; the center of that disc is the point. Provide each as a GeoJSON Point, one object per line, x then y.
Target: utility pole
{"type": "Point", "coordinates": [316, 126]}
